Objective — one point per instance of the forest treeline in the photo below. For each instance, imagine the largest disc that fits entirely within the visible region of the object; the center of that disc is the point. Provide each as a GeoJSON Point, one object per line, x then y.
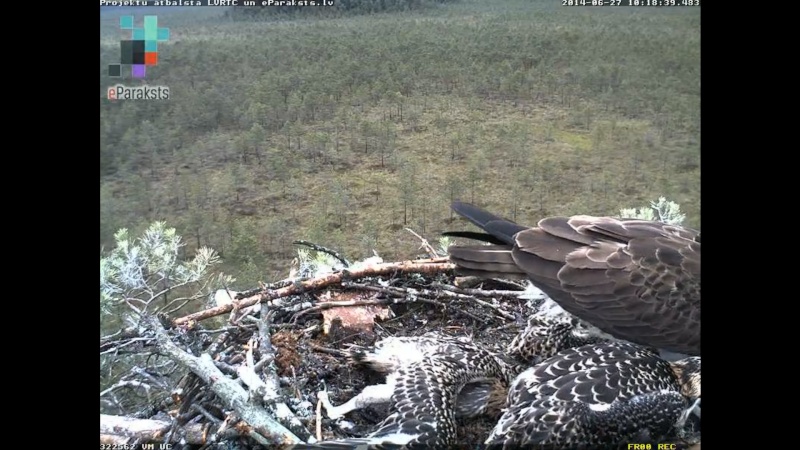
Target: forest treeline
{"type": "Point", "coordinates": [344, 131]}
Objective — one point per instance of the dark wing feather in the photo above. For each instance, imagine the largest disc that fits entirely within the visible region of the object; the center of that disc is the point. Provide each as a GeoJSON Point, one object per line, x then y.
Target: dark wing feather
{"type": "Point", "coordinates": [637, 280]}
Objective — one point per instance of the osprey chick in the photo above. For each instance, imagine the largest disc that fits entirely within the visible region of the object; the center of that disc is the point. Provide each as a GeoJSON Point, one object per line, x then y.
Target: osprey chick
{"type": "Point", "coordinates": [425, 397]}
{"type": "Point", "coordinates": [599, 396]}
{"type": "Point", "coordinates": [387, 356]}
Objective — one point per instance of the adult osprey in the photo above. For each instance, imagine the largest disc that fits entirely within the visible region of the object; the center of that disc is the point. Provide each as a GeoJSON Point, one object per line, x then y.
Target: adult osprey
{"type": "Point", "coordinates": [637, 280]}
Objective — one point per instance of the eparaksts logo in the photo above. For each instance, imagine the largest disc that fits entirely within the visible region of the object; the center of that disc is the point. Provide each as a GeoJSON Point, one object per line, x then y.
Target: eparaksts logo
{"type": "Point", "coordinates": [120, 92]}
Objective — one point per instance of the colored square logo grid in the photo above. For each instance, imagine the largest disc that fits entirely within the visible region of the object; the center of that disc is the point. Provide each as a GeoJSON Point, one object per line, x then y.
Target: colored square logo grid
{"type": "Point", "coordinates": [141, 50]}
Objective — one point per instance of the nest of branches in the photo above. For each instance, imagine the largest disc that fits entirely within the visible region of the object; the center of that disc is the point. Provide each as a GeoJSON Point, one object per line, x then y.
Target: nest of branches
{"type": "Point", "coordinates": [246, 374]}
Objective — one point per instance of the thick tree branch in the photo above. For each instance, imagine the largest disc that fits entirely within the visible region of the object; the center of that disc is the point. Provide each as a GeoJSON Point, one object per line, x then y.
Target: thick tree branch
{"type": "Point", "coordinates": [230, 391]}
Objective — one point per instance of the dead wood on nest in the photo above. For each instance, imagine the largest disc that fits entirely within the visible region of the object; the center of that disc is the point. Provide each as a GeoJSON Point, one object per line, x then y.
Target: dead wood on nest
{"type": "Point", "coordinates": [127, 430]}
{"type": "Point", "coordinates": [427, 266]}
{"type": "Point", "coordinates": [230, 391]}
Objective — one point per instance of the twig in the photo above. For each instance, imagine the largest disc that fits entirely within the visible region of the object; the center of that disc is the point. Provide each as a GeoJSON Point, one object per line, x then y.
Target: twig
{"type": "Point", "coordinates": [263, 329]}
{"type": "Point", "coordinates": [272, 296]}
{"type": "Point", "coordinates": [258, 438]}
{"type": "Point", "coordinates": [218, 330]}
{"type": "Point", "coordinates": [435, 260]}
{"type": "Point", "coordinates": [431, 252]}
{"type": "Point", "coordinates": [144, 374]}
{"type": "Point", "coordinates": [248, 376]}
{"type": "Point", "coordinates": [469, 281]}
{"type": "Point", "coordinates": [319, 419]}
{"type": "Point", "coordinates": [263, 362]}
{"type": "Point", "coordinates": [468, 314]}
{"type": "Point", "coordinates": [297, 393]}
{"type": "Point", "coordinates": [497, 308]}
{"type": "Point", "coordinates": [322, 249]}
{"type": "Point", "coordinates": [205, 413]}
{"type": "Point", "coordinates": [280, 284]}
{"type": "Point", "coordinates": [226, 368]}
{"type": "Point", "coordinates": [477, 292]}
{"type": "Point", "coordinates": [410, 295]}
{"type": "Point", "coordinates": [330, 351]}
{"type": "Point", "coordinates": [237, 316]}
{"type": "Point", "coordinates": [168, 309]}
{"type": "Point", "coordinates": [226, 423]}
{"type": "Point", "coordinates": [124, 344]}
{"type": "Point", "coordinates": [128, 384]}
{"type": "Point", "coordinates": [388, 290]}
{"type": "Point", "coordinates": [397, 291]}
{"type": "Point", "coordinates": [124, 333]}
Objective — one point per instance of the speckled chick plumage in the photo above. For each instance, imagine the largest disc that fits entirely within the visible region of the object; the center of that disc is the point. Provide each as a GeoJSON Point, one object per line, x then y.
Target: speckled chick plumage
{"type": "Point", "coordinates": [545, 336]}
{"type": "Point", "coordinates": [476, 398]}
{"type": "Point", "coordinates": [390, 353]}
{"type": "Point", "coordinates": [598, 396]}
{"type": "Point", "coordinates": [423, 404]}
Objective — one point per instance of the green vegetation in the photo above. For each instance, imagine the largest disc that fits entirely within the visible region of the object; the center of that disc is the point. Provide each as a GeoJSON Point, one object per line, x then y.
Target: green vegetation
{"type": "Point", "coordinates": [143, 276]}
{"type": "Point", "coordinates": [662, 210]}
{"type": "Point", "coordinates": [344, 130]}
{"type": "Point", "coordinates": [146, 275]}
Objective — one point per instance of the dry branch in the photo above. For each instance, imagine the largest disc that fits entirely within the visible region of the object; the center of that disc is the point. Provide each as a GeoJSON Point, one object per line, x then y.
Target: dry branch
{"type": "Point", "coordinates": [119, 430]}
{"type": "Point", "coordinates": [424, 245]}
{"type": "Point", "coordinates": [413, 294]}
{"type": "Point", "coordinates": [325, 250]}
{"type": "Point", "coordinates": [230, 391]}
{"type": "Point", "coordinates": [268, 389]}
{"type": "Point", "coordinates": [112, 439]}
{"type": "Point", "coordinates": [478, 292]}
{"type": "Point", "coordinates": [421, 266]}
{"type": "Point", "coordinates": [330, 351]}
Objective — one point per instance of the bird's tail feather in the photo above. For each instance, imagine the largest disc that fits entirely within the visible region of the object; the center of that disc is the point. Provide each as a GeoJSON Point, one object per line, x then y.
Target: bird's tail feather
{"type": "Point", "coordinates": [486, 261]}
{"type": "Point", "coordinates": [502, 229]}
{"type": "Point", "coordinates": [483, 237]}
